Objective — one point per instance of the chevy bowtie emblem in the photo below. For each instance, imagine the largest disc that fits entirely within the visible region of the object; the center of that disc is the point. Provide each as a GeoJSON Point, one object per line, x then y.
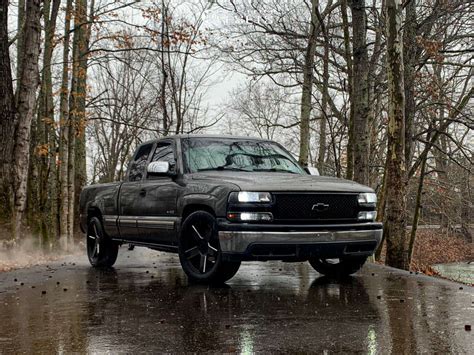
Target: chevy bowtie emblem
{"type": "Point", "coordinates": [320, 207]}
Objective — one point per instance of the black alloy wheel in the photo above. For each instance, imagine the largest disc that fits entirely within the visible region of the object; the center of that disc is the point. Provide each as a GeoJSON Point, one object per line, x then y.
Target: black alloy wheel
{"type": "Point", "coordinates": [199, 250]}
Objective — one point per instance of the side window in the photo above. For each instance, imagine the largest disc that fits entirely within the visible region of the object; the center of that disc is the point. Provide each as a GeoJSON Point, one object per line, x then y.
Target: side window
{"type": "Point", "coordinates": [165, 152]}
{"type": "Point", "coordinates": [138, 166]}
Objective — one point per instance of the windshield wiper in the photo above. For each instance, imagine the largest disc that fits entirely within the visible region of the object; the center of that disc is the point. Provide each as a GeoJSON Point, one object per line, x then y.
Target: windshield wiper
{"type": "Point", "coordinates": [278, 170]}
{"type": "Point", "coordinates": [223, 167]}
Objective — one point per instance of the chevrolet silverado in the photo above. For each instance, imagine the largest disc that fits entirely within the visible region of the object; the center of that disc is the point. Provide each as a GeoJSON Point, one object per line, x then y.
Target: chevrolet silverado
{"type": "Point", "coordinates": [221, 200]}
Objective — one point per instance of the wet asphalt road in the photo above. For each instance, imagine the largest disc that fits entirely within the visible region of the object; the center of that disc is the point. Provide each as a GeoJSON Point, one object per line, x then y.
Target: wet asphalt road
{"type": "Point", "coordinates": [145, 304]}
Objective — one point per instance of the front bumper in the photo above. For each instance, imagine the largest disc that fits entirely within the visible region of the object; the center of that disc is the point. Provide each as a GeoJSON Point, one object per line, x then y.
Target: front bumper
{"type": "Point", "coordinates": [298, 244]}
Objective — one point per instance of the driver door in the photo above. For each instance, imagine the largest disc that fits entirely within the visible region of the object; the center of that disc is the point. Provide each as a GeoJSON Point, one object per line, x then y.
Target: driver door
{"type": "Point", "coordinates": [157, 209]}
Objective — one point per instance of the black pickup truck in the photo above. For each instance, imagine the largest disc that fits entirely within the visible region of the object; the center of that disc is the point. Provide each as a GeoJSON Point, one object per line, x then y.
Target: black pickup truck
{"type": "Point", "coordinates": [221, 200]}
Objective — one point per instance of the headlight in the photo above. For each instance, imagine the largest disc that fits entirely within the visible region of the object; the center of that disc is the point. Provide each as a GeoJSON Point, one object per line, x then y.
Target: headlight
{"type": "Point", "coordinates": [367, 199]}
{"type": "Point", "coordinates": [250, 197]}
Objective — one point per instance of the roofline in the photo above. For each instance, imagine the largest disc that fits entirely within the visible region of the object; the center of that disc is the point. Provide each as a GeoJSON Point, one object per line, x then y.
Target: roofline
{"type": "Point", "coordinates": [216, 136]}
{"type": "Point", "coordinates": [223, 136]}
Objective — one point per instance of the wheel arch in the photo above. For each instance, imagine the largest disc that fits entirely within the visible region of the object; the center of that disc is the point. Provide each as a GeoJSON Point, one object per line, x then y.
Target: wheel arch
{"type": "Point", "coordinates": [194, 207]}
{"type": "Point", "coordinates": [93, 211]}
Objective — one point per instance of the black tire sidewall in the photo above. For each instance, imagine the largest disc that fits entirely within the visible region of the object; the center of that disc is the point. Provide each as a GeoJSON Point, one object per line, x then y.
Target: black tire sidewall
{"type": "Point", "coordinates": [108, 249]}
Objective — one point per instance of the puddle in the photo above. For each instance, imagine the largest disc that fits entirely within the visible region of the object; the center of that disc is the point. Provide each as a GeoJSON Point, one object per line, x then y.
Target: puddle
{"type": "Point", "coordinates": [462, 272]}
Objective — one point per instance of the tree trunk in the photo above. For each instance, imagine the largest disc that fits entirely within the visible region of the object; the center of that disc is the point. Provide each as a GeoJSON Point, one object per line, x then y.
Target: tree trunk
{"type": "Point", "coordinates": [360, 93]}
{"type": "Point", "coordinates": [77, 111]}
{"type": "Point", "coordinates": [410, 60]}
{"type": "Point", "coordinates": [20, 36]}
{"type": "Point", "coordinates": [43, 179]}
{"type": "Point", "coordinates": [307, 86]}
{"type": "Point", "coordinates": [395, 218]}
{"type": "Point", "coordinates": [466, 209]}
{"type": "Point", "coordinates": [375, 103]}
{"type": "Point", "coordinates": [325, 101]}
{"type": "Point", "coordinates": [381, 208]}
{"type": "Point", "coordinates": [416, 215]}
{"type": "Point", "coordinates": [53, 183]}
{"type": "Point", "coordinates": [350, 81]}
{"type": "Point", "coordinates": [445, 192]}
{"type": "Point", "coordinates": [7, 118]}
{"type": "Point", "coordinates": [442, 164]}
{"type": "Point", "coordinates": [64, 125]}
{"type": "Point", "coordinates": [25, 103]}
{"type": "Point", "coordinates": [80, 159]}
{"type": "Point", "coordinates": [164, 69]}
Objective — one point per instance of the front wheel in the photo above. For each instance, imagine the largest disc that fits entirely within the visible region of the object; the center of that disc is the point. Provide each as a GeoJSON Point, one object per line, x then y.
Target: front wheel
{"type": "Point", "coordinates": [102, 251]}
{"type": "Point", "coordinates": [199, 250]}
{"type": "Point", "coordinates": [338, 267]}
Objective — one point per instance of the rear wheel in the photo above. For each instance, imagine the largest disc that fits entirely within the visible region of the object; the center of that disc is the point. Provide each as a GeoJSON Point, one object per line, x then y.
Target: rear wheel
{"type": "Point", "coordinates": [199, 250]}
{"type": "Point", "coordinates": [338, 267]}
{"type": "Point", "coordinates": [102, 251]}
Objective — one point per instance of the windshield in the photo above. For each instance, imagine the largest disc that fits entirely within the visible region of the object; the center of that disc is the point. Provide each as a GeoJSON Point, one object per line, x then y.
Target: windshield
{"type": "Point", "coordinates": [204, 154]}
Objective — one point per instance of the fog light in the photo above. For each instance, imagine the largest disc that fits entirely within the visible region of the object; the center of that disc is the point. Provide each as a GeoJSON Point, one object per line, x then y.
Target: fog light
{"type": "Point", "coordinates": [250, 216]}
{"type": "Point", "coordinates": [367, 216]}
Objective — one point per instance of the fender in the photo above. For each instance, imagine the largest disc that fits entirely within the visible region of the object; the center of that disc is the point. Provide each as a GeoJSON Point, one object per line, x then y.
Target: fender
{"type": "Point", "coordinates": [202, 199]}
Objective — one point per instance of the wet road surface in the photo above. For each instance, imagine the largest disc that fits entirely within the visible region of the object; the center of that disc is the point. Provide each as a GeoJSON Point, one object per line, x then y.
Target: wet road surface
{"type": "Point", "coordinates": [145, 304]}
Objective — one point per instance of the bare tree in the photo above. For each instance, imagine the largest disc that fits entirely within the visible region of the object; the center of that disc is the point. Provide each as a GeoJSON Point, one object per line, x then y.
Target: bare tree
{"type": "Point", "coordinates": [261, 109]}
{"type": "Point", "coordinates": [395, 216]}
{"type": "Point", "coordinates": [308, 84]}
{"type": "Point", "coordinates": [25, 103]}
{"type": "Point", "coordinates": [64, 126]}
{"type": "Point", "coordinates": [184, 74]}
{"type": "Point", "coordinates": [360, 93]}
{"type": "Point", "coordinates": [127, 106]}
{"type": "Point", "coordinates": [42, 179]}
{"type": "Point", "coordinates": [7, 117]}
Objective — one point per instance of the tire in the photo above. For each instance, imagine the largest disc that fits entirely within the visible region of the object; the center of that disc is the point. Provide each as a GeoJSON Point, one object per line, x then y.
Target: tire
{"type": "Point", "coordinates": [101, 251]}
{"type": "Point", "coordinates": [199, 250]}
{"type": "Point", "coordinates": [340, 268]}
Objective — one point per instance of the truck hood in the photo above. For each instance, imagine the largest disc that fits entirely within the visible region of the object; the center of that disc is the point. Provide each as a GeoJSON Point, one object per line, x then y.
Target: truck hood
{"type": "Point", "coordinates": [275, 182]}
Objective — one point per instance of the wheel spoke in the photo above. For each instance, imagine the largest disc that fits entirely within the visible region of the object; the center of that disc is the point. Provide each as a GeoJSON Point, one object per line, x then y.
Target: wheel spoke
{"type": "Point", "coordinates": [198, 234]}
{"type": "Point", "coordinates": [96, 244]}
{"type": "Point", "coordinates": [203, 262]}
{"type": "Point", "coordinates": [211, 247]}
{"type": "Point", "coordinates": [91, 237]}
{"type": "Point", "coordinates": [95, 231]}
{"type": "Point", "coordinates": [96, 247]}
{"type": "Point", "coordinates": [192, 252]}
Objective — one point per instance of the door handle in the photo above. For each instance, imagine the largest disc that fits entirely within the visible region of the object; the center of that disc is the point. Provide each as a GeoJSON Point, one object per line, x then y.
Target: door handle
{"type": "Point", "coordinates": [142, 192]}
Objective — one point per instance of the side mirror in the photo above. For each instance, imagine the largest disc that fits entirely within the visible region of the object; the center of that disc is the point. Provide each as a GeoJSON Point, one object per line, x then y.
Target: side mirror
{"type": "Point", "coordinates": [157, 168]}
{"type": "Point", "coordinates": [311, 170]}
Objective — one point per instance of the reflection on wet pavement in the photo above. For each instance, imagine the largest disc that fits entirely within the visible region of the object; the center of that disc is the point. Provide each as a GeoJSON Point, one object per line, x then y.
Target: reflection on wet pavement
{"type": "Point", "coordinates": [145, 304]}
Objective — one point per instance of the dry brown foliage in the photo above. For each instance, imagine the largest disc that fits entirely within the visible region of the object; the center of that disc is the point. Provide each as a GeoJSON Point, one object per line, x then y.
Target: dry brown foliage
{"type": "Point", "coordinates": [439, 247]}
